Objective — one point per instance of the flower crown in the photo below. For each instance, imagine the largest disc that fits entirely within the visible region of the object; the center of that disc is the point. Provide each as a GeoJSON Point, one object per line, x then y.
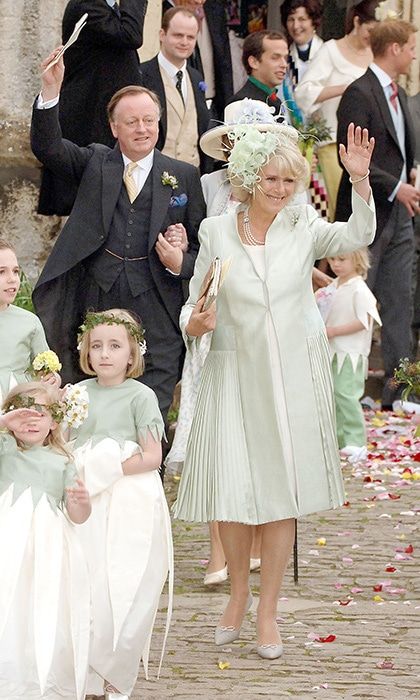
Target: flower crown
{"type": "Point", "coordinates": [72, 409]}
{"type": "Point", "coordinates": [252, 149]}
{"type": "Point", "coordinates": [93, 319]}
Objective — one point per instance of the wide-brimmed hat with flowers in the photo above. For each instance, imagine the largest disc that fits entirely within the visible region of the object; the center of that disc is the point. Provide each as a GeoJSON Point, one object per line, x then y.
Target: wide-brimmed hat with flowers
{"type": "Point", "coordinates": [243, 112]}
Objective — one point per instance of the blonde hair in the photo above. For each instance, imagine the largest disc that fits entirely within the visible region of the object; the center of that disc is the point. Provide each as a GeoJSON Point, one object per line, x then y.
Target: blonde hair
{"type": "Point", "coordinates": [55, 438]}
{"type": "Point", "coordinates": [360, 259]}
{"type": "Point", "coordinates": [290, 163]}
{"type": "Point", "coordinates": [136, 368]}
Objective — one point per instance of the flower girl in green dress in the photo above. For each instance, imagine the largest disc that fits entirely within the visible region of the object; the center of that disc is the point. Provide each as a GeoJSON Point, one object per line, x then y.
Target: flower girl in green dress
{"type": "Point", "coordinates": [22, 336]}
{"type": "Point", "coordinates": [44, 591]}
{"type": "Point", "coordinates": [128, 538]}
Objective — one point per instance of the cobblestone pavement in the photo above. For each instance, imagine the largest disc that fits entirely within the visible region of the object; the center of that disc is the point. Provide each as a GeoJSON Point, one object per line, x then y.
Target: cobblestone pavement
{"type": "Point", "coordinates": [359, 587]}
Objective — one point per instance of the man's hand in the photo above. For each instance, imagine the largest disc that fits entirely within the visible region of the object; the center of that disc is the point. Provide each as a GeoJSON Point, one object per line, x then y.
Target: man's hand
{"type": "Point", "coordinates": [52, 79]}
{"type": "Point", "coordinates": [176, 235]}
{"type": "Point", "coordinates": [169, 256]}
{"type": "Point", "coordinates": [320, 279]}
{"type": "Point", "coordinates": [409, 196]}
{"type": "Point", "coordinates": [201, 322]}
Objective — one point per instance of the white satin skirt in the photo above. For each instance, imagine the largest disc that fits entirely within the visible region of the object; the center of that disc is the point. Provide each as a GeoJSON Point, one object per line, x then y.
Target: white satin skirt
{"type": "Point", "coordinates": [44, 602]}
{"type": "Point", "coordinates": [128, 545]}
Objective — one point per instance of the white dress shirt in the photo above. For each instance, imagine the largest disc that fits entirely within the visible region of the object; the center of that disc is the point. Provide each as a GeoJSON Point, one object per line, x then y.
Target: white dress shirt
{"type": "Point", "coordinates": [141, 173]}
{"type": "Point", "coordinates": [397, 118]}
{"type": "Point", "coordinates": [172, 70]}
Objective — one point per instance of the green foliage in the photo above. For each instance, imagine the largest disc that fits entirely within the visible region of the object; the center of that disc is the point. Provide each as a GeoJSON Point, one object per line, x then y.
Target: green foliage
{"type": "Point", "coordinates": [24, 295]}
{"type": "Point", "coordinates": [408, 374]}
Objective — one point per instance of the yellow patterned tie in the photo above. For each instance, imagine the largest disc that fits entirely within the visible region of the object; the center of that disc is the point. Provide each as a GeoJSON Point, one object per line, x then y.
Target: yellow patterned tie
{"type": "Point", "coordinates": [129, 181]}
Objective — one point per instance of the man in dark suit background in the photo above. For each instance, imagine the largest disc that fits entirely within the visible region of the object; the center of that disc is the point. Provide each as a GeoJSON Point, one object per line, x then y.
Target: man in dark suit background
{"type": "Point", "coordinates": [376, 102]}
{"type": "Point", "coordinates": [264, 56]}
{"type": "Point", "coordinates": [211, 57]}
{"type": "Point", "coordinates": [112, 251]}
{"type": "Point", "coordinates": [102, 60]}
{"type": "Point", "coordinates": [180, 89]}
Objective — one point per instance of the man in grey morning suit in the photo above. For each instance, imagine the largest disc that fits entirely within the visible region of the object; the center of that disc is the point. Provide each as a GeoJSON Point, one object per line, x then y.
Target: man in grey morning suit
{"type": "Point", "coordinates": [112, 251]}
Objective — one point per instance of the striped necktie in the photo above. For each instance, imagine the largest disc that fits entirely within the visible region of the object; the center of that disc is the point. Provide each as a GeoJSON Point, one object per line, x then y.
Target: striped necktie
{"type": "Point", "coordinates": [130, 182]}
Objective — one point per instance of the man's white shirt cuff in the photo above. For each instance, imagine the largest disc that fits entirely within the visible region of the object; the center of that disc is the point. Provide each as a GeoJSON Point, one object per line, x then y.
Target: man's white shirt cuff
{"type": "Point", "coordinates": [40, 104]}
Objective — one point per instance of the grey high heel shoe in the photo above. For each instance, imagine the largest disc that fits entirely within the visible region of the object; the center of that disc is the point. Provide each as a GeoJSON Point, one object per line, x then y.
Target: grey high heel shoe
{"type": "Point", "coordinates": [227, 635]}
{"type": "Point", "coordinates": [270, 651]}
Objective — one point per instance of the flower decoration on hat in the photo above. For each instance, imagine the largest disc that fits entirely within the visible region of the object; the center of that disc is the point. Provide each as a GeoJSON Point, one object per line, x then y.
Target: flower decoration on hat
{"type": "Point", "coordinates": [252, 149]}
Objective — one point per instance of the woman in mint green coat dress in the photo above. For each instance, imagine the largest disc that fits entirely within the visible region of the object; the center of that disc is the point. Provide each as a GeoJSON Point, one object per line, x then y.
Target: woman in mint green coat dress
{"type": "Point", "coordinates": [262, 448]}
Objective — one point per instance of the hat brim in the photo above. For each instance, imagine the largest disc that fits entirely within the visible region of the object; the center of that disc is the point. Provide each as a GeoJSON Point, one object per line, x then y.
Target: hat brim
{"type": "Point", "coordinates": [211, 140]}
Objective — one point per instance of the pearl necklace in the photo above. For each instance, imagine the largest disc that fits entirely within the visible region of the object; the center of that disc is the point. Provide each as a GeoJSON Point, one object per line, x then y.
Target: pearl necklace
{"type": "Point", "coordinates": [248, 235]}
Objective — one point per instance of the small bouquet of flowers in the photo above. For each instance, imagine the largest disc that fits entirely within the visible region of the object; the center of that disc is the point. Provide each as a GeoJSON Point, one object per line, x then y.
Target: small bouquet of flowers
{"type": "Point", "coordinates": [45, 363]}
{"type": "Point", "coordinates": [408, 374]}
{"type": "Point", "coordinates": [75, 401]}
{"type": "Point", "coordinates": [72, 409]}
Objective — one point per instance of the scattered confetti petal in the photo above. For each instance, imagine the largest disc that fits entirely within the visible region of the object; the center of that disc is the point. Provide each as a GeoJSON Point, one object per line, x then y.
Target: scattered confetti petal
{"type": "Point", "coordinates": [386, 663]}
{"type": "Point", "coordinates": [223, 665]}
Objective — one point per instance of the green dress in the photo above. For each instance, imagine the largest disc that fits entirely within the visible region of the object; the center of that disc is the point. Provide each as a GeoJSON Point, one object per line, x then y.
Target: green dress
{"type": "Point", "coordinates": [22, 337]}
{"type": "Point", "coordinates": [242, 463]}
{"type": "Point", "coordinates": [44, 594]}
{"type": "Point", "coordinates": [127, 539]}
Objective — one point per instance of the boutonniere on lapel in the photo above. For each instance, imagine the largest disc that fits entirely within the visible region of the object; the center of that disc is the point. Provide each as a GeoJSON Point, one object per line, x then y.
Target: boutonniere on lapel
{"type": "Point", "coordinates": [202, 86]}
{"type": "Point", "coordinates": [167, 179]}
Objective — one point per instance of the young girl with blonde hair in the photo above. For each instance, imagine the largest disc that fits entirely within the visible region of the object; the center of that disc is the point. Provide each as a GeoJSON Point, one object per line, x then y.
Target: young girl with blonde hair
{"type": "Point", "coordinates": [128, 538]}
{"type": "Point", "coordinates": [348, 308]}
{"type": "Point", "coordinates": [44, 593]}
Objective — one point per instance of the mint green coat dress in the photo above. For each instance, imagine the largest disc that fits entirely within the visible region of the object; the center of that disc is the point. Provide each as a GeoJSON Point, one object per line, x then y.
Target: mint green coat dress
{"type": "Point", "coordinates": [237, 467]}
{"type": "Point", "coordinates": [22, 337]}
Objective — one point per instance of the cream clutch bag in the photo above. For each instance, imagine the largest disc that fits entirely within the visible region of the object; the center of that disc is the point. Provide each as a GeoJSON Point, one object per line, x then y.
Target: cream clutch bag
{"type": "Point", "coordinates": [213, 281]}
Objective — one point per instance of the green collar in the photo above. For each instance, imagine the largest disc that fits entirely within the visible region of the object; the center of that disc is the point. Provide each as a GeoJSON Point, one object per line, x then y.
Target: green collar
{"type": "Point", "coordinates": [262, 86]}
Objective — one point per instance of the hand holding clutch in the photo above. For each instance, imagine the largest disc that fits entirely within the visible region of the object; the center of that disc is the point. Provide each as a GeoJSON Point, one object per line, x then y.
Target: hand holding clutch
{"type": "Point", "coordinates": [213, 281]}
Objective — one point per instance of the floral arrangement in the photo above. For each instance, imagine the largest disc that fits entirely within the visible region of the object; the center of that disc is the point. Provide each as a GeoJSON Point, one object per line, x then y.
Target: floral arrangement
{"type": "Point", "coordinates": [45, 363]}
{"type": "Point", "coordinates": [202, 86]}
{"type": "Point", "coordinates": [76, 405]}
{"type": "Point", "coordinates": [167, 179]}
{"type": "Point", "coordinates": [93, 319]}
{"type": "Point", "coordinates": [408, 373]}
{"type": "Point", "coordinates": [72, 409]}
{"type": "Point", "coordinates": [385, 11]}
{"type": "Point", "coordinates": [252, 150]}
{"type": "Point", "coordinates": [313, 133]}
